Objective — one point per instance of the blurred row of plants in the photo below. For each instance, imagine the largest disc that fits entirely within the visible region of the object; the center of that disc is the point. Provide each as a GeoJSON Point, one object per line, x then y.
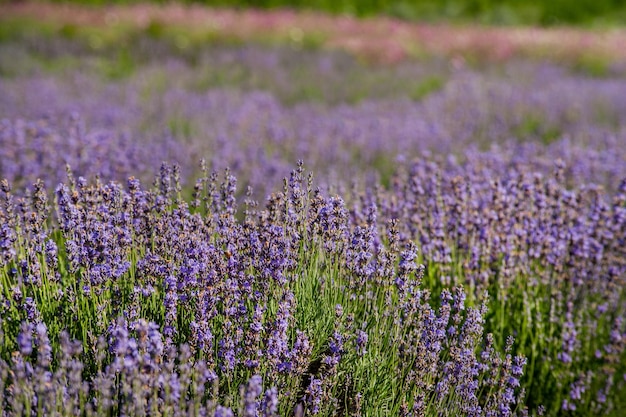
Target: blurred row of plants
{"type": "Point", "coordinates": [116, 51]}
{"type": "Point", "coordinates": [539, 12]}
{"type": "Point", "coordinates": [213, 60]}
{"type": "Point", "coordinates": [543, 12]}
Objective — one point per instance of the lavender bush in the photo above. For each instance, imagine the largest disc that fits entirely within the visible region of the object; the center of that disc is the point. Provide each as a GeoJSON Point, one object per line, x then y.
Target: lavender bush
{"type": "Point", "coordinates": [462, 254]}
{"type": "Point", "coordinates": [177, 307]}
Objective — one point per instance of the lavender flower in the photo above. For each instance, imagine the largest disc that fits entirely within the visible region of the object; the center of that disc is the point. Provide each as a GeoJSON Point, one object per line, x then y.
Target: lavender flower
{"type": "Point", "coordinates": [253, 390]}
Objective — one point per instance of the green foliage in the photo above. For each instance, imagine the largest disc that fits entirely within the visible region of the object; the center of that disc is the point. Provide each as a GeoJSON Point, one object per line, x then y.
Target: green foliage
{"type": "Point", "coordinates": [593, 66]}
{"type": "Point", "coordinates": [533, 125]}
{"type": "Point", "coordinates": [543, 12]}
{"type": "Point", "coordinates": [427, 86]}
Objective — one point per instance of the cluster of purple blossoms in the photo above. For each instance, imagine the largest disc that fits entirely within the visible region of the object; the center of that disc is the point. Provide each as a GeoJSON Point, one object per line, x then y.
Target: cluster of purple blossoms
{"type": "Point", "coordinates": [169, 303]}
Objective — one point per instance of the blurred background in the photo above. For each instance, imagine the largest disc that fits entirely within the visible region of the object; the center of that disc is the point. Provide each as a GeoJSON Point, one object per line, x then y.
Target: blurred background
{"type": "Point", "coordinates": [256, 85]}
{"type": "Point", "coordinates": [499, 12]}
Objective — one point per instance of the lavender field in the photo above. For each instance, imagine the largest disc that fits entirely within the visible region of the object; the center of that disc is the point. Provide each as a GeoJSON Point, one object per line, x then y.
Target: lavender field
{"type": "Point", "coordinates": [267, 230]}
